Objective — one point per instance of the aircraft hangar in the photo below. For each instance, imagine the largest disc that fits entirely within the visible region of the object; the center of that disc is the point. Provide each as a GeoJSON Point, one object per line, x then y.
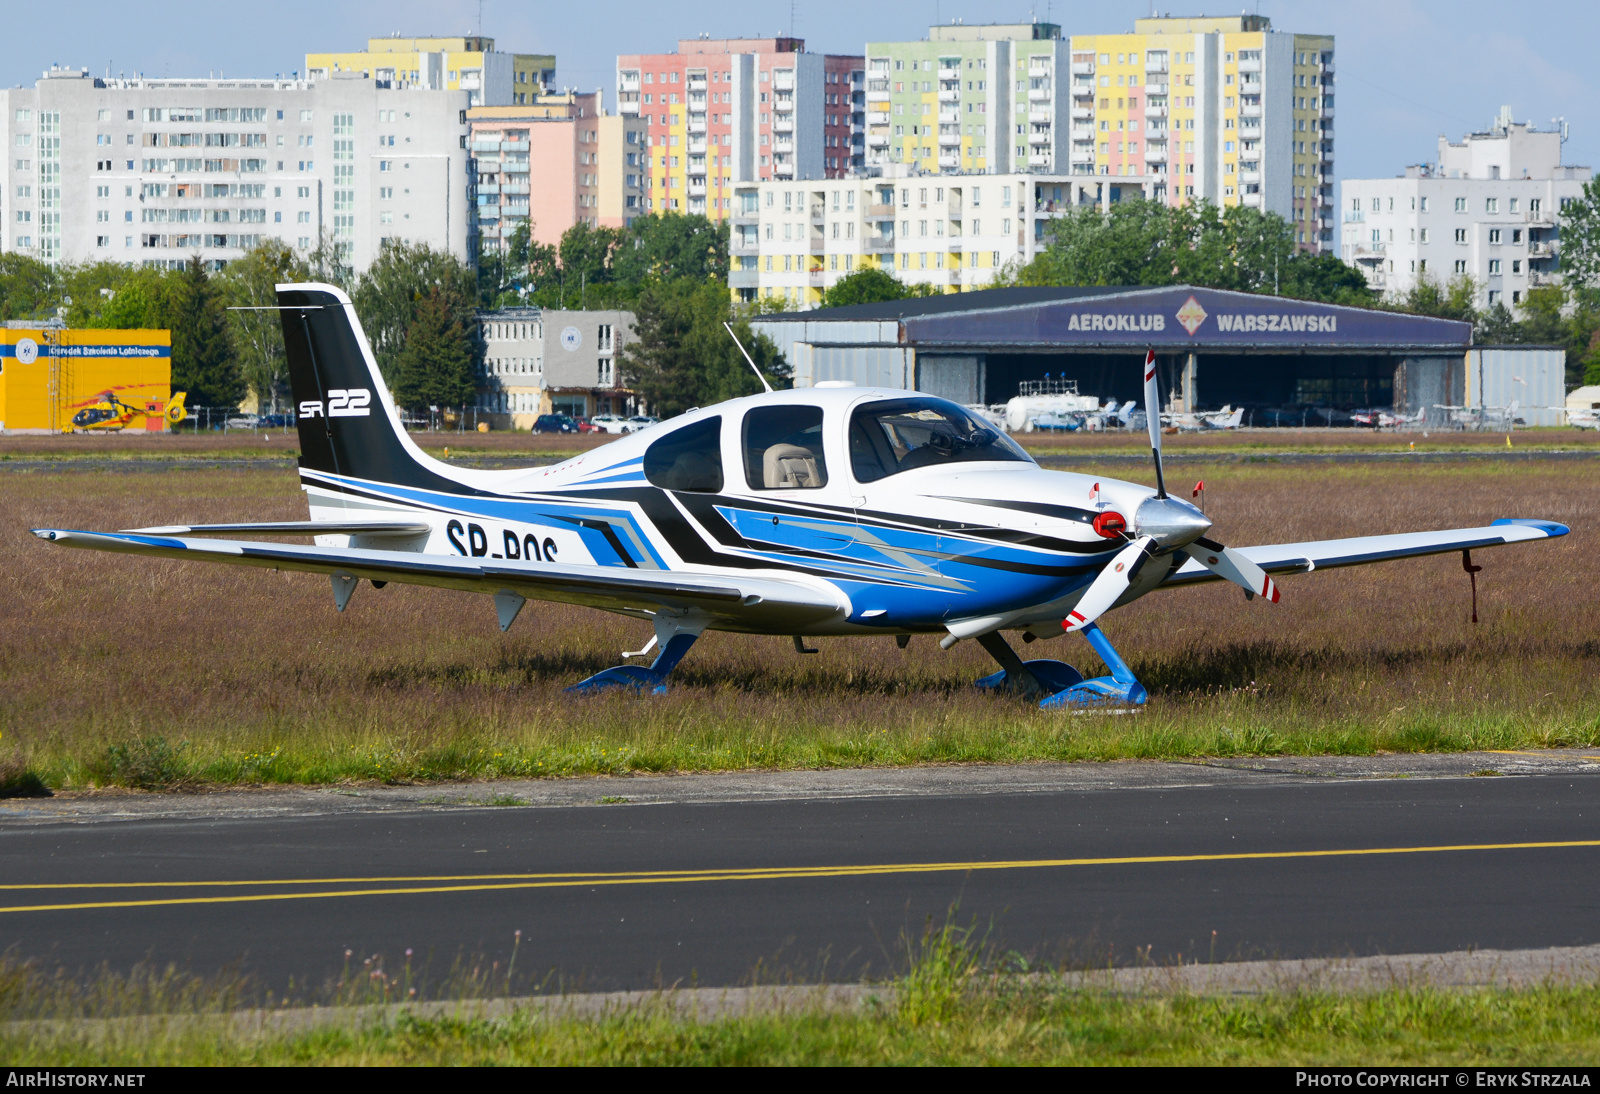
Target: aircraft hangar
{"type": "Point", "coordinates": [1269, 354]}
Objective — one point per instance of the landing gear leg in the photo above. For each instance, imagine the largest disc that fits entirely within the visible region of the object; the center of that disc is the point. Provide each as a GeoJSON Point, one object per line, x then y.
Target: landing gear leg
{"type": "Point", "coordinates": [674, 636]}
{"type": "Point", "coordinates": [1024, 677]}
{"type": "Point", "coordinates": [1120, 689]}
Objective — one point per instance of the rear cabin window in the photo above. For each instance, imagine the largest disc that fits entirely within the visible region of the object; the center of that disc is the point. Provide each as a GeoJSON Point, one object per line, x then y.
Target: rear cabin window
{"type": "Point", "coordinates": [687, 459]}
{"type": "Point", "coordinates": [783, 448]}
{"type": "Point", "coordinates": [902, 434]}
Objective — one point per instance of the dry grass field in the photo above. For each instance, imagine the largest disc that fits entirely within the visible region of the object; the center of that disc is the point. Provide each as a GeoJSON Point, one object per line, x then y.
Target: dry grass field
{"type": "Point", "coordinates": [164, 674]}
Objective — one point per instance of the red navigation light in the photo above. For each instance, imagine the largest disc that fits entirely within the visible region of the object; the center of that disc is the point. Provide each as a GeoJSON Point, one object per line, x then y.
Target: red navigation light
{"type": "Point", "coordinates": [1111, 525]}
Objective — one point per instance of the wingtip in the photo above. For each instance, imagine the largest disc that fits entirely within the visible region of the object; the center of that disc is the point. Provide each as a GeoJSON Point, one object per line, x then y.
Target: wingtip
{"type": "Point", "coordinates": [1548, 527]}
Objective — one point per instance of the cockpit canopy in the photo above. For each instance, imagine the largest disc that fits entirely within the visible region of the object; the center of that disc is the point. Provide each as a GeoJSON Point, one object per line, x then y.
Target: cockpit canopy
{"type": "Point", "coordinates": [787, 445]}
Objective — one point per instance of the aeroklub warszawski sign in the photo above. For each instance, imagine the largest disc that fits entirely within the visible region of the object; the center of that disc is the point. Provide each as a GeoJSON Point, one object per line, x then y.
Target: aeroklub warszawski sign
{"type": "Point", "coordinates": [1184, 318]}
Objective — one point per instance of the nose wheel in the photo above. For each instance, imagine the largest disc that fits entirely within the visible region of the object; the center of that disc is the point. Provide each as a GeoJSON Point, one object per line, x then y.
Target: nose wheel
{"type": "Point", "coordinates": [1058, 684]}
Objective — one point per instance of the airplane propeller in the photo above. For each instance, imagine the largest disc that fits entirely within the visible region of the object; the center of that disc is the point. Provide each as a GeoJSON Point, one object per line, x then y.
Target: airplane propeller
{"type": "Point", "coordinates": [1162, 524]}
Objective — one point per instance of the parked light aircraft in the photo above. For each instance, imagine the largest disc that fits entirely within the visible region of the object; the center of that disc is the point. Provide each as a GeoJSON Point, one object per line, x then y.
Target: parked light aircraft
{"type": "Point", "coordinates": [832, 510]}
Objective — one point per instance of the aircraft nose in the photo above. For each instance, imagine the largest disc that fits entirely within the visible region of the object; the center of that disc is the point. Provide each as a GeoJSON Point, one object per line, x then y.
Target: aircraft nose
{"type": "Point", "coordinates": [1171, 522]}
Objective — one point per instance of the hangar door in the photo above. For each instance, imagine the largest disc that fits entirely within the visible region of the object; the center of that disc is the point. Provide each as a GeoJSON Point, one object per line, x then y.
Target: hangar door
{"type": "Point", "coordinates": [957, 378]}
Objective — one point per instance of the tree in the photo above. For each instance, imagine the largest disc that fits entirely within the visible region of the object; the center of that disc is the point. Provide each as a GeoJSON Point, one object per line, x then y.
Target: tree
{"type": "Point", "coordinates": [434, 369]}
{"type": "Point", "coordinates": [28, 287]}
{"type": "Point", "coordinates": [203, 362]}
{"type": "Point", "coordinates": [681, 356]}
{"type": "Point", "coordinates": [1457, 300]}
{"type": "Point", "coordinates": [668, 246]}
{"type": "Point", "coordinates": [250, 283]}
{"type": "Point", "coordinates": [387, 296]}
{"type": "Point", "coordinates": [869, 285]}
{"type": "Point", "coordinates": [1580, 240]}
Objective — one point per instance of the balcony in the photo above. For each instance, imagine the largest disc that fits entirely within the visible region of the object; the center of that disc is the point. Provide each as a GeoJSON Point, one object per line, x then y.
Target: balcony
{"type": "Point", "coordinates": [1040, 94]}
{"type": "Point", "coordinates": [1155, 89]}
{"type": "Point", "coordinates": [949, 117]}
{"type": "Point", "coordinates": [878, 117]}
{"type": "Point", "coordinates": [950, 140]}
{"type": "Point", "coordinates": [950, 73]}
{"type": "Point", "coordinates": [515, 167]}
{"type": "Point", "coordinates": [488, 188]}
{"type": "Point", "coordinates": [514, 187]}
{"type": "Point", "coordinates": [877, 243]}
{"type": "Point", "coordinates": [1085, 155]}
{"type": "Point", "coordinates": [1152, 110]}
{"type": "Point", "coordinates": [783, 170]}
{"type": "Point", "coordinates": [783, 79]}
{"type": "Point", "coordinates": [1039, 138]}
{"type": "Point", "coordinates": [1155, 64]}
{"type": "Point", "coordinates": [697, 189]}
{"type": "Point", "coordinates": [949, 159]}
{"type": "Point", "coordinates": [1083, 91]}
{"type": "Point", "coordinates": [1250, 176]}
{"type": "Point", "coordinates": [697, 83]}
{"type": "Point", "coordinates": [485, 146]}
{"type": "Point", "coordinates": [783, 144]}
{"type": "Point", "coordinates": [878, 140]}
{"type": "Point", "coordinates": [783, 106]}
{"type": "Point", "coordinates": [1155, 153]}
{"type": "Point", "coordinates": [697, 145]}
{"type": "Point", "coordinates": [881, 211]}
{"type": "Point", "coordinates": [1249, 66]}
{"type": "Point", "coordinates": [628, 108]}
{"type": "Point", "coordinates": [819, 213]}
{"type": "Point", "coordinates": [817, 279]}
{"type": "Point", "coordinates": [697, 123]}
{"type": "Point", "coordinates": [949, 95]}
{"type": "Point", "coordinates": [1250, 111]}
{"type": "Point", "coordinates": [783, 125]}
{"type": "Point", "coordinates": [1083, 68]}
{"type": "Point", "coordinates": [1250, 199]}
{"type": "Point", "coordinates": [1044, 115]}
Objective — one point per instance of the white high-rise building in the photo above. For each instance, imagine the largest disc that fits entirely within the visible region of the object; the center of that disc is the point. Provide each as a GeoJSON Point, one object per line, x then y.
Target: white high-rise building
{"type": "Point", "coordinates": [1489, 208]}
{"type": "Point", "coordinates": [154, 172]}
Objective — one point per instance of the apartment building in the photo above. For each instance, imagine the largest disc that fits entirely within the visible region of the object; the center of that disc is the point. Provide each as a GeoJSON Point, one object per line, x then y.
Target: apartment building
{"type": "Point", "coordinates": [724, 111]}
{"type": "Point", "coordinates": [461, 63]}
{"type": "Point", "coordinates": [158, 171]}
{"type": "Point", "coordinates": [589, 166]}
{"type": "Point", "coordinates": [946, 105]}
{"type": "Point", "coordinates": [1223, 109]}
{"type": "Point", "coordinates": [551, 362]}
{"type": "Point", "coordinates": [792, 242]}
{"type": "Point", "coordinates": [1488, 208]}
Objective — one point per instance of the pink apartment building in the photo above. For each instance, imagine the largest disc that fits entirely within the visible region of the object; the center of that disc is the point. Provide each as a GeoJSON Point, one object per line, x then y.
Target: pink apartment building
{"type": "Point", "coordinates": [723, 111]}
{"type": "Point", "coordinates": [555, 161]}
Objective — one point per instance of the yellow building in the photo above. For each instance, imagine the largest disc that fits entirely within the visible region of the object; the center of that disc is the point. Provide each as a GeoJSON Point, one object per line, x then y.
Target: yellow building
{"type": "Point", "coordinates": [1226, 109]}
{"type": "Point", "coordinates": [464, 63]}
{"type": "Point", "coordinates": [61, 380]}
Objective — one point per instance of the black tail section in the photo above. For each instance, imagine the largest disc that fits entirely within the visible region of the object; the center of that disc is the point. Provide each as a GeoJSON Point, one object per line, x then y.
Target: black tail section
{"type": "Point", "coordinates": [345, 425]}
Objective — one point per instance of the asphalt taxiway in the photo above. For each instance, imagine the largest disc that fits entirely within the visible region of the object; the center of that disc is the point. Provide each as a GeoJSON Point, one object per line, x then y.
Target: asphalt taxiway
{"type": "Point", "coordinates": [636, 883]}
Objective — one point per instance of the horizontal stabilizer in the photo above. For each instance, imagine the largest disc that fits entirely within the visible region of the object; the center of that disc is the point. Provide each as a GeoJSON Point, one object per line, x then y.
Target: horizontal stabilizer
{"type": "Point", "coordinates": [291, 528]}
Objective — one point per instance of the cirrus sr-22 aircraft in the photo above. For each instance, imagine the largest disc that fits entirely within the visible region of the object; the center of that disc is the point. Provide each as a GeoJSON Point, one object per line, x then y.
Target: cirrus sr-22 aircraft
{"type": "Point", "coordinates": [825, 511]}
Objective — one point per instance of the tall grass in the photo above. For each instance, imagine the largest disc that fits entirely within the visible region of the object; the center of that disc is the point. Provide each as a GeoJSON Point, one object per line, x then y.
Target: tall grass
{"type": "Point", "coordinates": [149, 673]}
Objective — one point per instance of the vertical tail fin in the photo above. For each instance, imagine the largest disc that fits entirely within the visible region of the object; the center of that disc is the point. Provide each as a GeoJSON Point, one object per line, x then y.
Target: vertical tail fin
{"type": "Point", "coordinates": [348, 425]}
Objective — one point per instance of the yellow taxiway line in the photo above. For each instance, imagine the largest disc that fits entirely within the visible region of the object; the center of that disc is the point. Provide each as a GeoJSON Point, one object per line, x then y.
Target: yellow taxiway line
{"type": "Point", "coordinates": [473, 883]}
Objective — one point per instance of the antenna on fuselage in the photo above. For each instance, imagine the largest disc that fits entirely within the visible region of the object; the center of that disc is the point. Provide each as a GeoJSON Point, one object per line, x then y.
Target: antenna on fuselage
{"type": "Point", "coordinates": [735, 337]}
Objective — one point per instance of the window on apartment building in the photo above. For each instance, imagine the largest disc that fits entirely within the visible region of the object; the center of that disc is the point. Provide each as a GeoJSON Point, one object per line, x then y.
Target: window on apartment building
{"type": "Point", "coordinates": [1494, 236]}
{"type": "Point", "coordinates": [1461, 235]}
{"type": "Point", "coordinates": [1461, 205]}
{"type": "Point", "coordinates": [1461, 266]}
{"type": "Point", "coordinates": [1515, 202]}
{"type": "Point", "coordinates": [1491, 205]}
{"type": "Point", "coordinates": [1534, 205]}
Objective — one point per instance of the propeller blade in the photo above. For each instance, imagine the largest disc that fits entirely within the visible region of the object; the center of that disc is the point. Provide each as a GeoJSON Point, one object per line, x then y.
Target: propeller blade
{"type": "Point", "coordinates": [1111, 583]}
{"type": "Point", "coordinates": [1234, 566]}
{"type": "Point", "coordinates": [1152, 416]}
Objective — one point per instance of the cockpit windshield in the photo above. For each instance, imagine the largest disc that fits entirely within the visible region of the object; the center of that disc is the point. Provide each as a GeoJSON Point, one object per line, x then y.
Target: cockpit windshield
{"type": "Point", "coordinates": [901, 434]}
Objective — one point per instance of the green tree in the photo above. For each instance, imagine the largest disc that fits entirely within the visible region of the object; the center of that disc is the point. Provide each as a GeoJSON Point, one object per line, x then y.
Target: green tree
{"type": "Point", "coordinates": [869, 285]}
{"type": "Point", "coordinates": [388, 294]}
{"type": "Point", "coordinates": [1457, 300]}
{"type": "Point", "coordinates": [250, 284]}
{"type": "Point", "coordinates": [668, 246]}
{"type": "Point", "coordinates": [435, 368]}
{"type": "Point", "coordinates": [1580, 240]}
{"type": "Point", "coordinates": [203, 362]}
{"type": "Point", "coordinates": [680, 355]}
{"type": "Point", "coordinates": [28, 287]}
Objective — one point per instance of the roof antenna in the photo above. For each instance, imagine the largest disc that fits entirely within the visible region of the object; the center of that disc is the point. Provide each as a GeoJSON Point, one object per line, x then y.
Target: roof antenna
{"type": "Point", "coordinates": [746, 353]}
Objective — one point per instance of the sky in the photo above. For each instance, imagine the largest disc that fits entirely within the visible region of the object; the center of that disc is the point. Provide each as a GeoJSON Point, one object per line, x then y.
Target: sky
{"type": "Point", "coordinates": [1407, 70]}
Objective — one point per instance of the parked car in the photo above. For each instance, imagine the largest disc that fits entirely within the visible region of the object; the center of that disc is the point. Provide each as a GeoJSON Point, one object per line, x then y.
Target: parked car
{"type": "Point", "coordinates": [555, 423]}
{"type": "Point", "coordinates": [586, 426]}
{"type": "Point", "coordinates": [642, 421]}
{"type": "Point", "coordinates": [244, 421]}
{"type": "Point", "coordinates": [610, 423]}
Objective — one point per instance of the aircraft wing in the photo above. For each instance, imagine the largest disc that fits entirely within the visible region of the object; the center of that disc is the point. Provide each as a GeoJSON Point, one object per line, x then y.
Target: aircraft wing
{"type": "Point", "coordinates": [1278, 558]}
{"type": "Point", "coordinates": [779, 601]}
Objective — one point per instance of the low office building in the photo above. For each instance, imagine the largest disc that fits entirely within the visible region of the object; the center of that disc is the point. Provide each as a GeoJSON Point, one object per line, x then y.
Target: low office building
{"type": "Point", "coordinates": [589, 167]}
{"type": "Point", "coordinates": [792, 242]}
{"type": "Point", "coordinates": [155, 172]}
{"type": "Point", "coordinates": [1488, 208]}
{"type": "Point", "coordinates": [552, 362]}
{"type": "Point", "coordinates": [467, 63]}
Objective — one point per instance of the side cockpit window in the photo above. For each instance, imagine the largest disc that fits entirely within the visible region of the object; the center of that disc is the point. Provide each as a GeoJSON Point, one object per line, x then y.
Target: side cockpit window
{"type": "Point", "coordinates": [897, 435]}
{"type": "Point", "coordinates": [783, 448]}
{"type": "Point", "coordinates": [687, 459]}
